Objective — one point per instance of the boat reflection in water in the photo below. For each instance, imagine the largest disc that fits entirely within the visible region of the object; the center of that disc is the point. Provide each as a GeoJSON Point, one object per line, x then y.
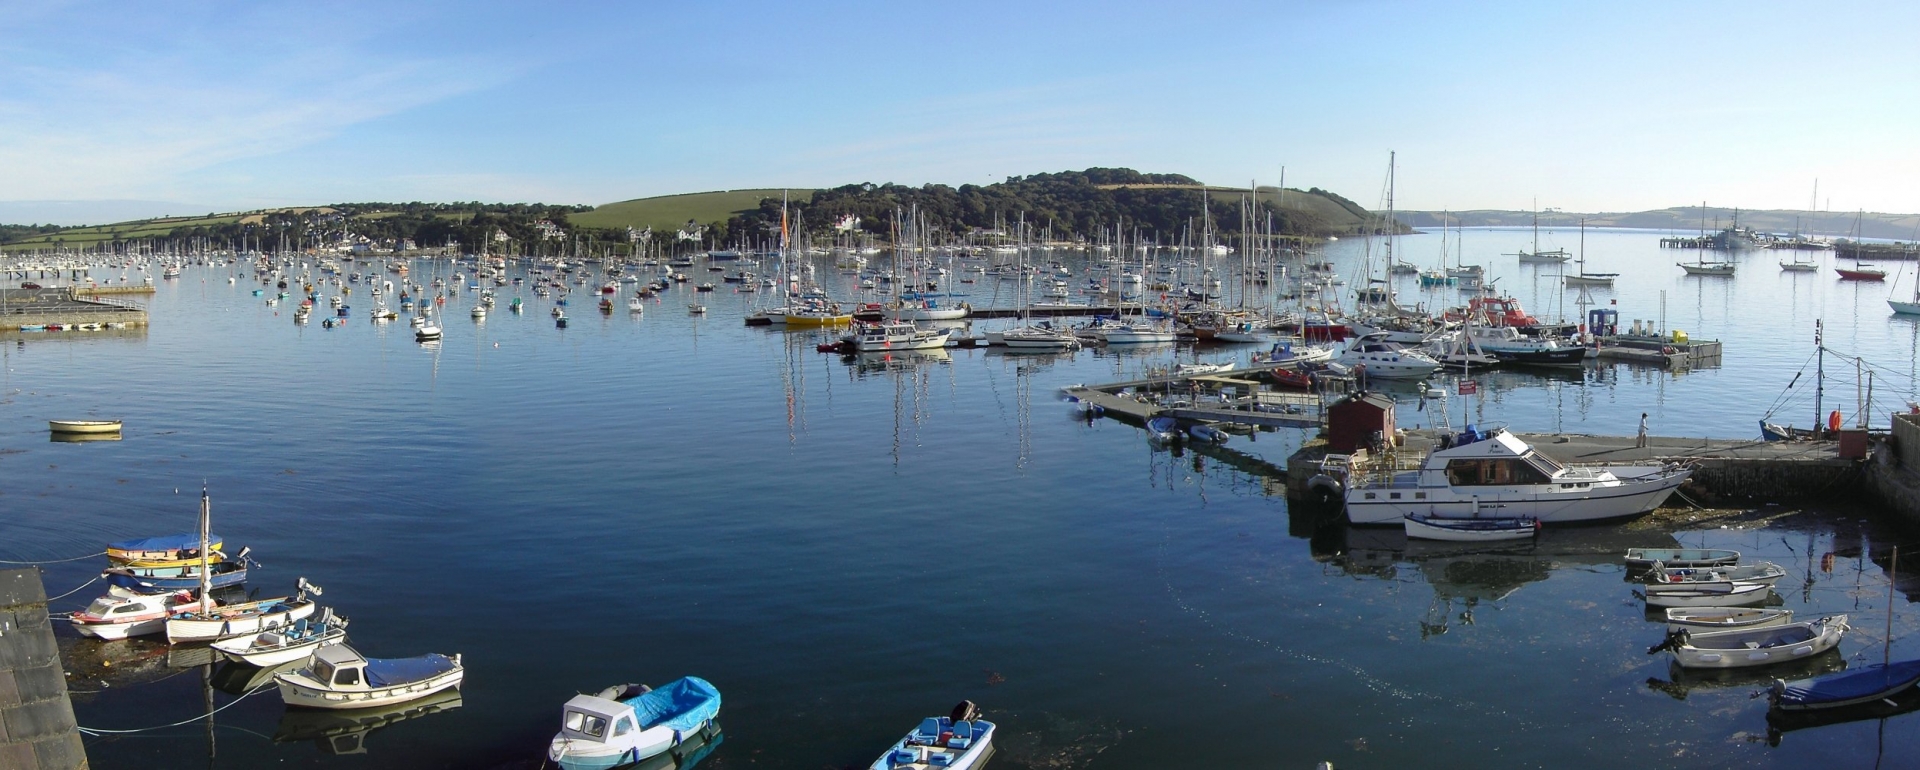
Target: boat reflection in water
{"type": "Point", "coordinates": [344, 731]}
{"type": "Point", "coordinates": [81, 438]}
{"type": "Point", "coordinates": [1779, 723]}
{"type": "Point", "coordinates": [235, 678]}
{"type": "Point", "coordinates": [1681, 682]}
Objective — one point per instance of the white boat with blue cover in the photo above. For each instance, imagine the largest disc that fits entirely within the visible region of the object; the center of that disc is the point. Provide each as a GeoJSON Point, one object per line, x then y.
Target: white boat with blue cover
{"type": "Point", "coordinates": [957, 742]}
{"type": "Point", "coordinates": [629, 723]}
{"type": "Point", "coordinates": [1847, 688]}
{"type": "Point", "coordinates": [337, 677]}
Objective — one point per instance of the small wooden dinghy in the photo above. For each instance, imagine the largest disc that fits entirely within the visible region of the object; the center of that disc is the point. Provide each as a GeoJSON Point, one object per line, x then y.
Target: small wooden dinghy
{"type": "Point", "coordinates": [1847, 688]}
{"type": "Point", "coordinates": [159, 580]}
{"type": "Point", "coordinates": [1723, 618]}
{"type": "Point", "coordinates": [1708, 595]}
{"type": "Point", "coordinates": [1745, 647]}
{"type": "Point", "coordinates": [1643, 558]}
{"type": "Point", "coordinates": [1471, 530]}
{"type": "Point", "coordinates": [84, 426]}
{"type": "Point", "coordinates": [337, 677]}
{"type": "Point", "coordinates": [291, 643]}
{"type": "Point", "coordinates": [209, 624]}
{"type": "Point", "coordinates": [959, 741]}
{"type": "Point", "coordinates": [628, 723]}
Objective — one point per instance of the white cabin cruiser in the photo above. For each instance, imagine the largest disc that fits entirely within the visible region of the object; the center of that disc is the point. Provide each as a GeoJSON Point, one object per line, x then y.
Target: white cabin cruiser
{"type": "Point", "coordinates": [337, 677]}
{"type": "Point", "coordinates": [880, 338]}
{"type": "Point", "coordinates": [1386, 359]}
{"type": "Point", "coordinates": [1500, 476]}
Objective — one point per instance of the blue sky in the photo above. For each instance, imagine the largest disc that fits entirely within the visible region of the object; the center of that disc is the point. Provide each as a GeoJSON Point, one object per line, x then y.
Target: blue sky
{"type": "Point", "coordinates": [1595, 107]}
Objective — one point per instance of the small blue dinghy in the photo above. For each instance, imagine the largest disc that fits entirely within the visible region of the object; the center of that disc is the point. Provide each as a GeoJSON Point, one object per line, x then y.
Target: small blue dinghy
{"type": "Point", "coordinates": [1847, 688]}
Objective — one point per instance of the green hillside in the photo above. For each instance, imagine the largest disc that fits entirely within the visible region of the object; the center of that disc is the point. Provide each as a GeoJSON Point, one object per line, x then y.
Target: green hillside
{"type": "Point", "coordinates": [668, 212]}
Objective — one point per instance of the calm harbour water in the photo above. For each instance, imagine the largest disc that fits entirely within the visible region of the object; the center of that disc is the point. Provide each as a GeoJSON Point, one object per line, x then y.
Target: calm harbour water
{"type": "Point", "coordinates": [845, 546]}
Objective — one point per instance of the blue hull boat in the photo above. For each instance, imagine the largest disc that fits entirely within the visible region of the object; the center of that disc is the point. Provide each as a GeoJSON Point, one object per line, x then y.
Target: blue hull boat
{"type": "Point", "coordinates": [1849, 688]}
{"type": "Point", "coordinates": [160, 580]}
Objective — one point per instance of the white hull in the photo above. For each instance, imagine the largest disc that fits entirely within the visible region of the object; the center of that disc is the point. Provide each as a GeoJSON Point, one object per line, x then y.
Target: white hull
{"type": "Point", "coordinates": [1697, 619]}
{"type": "Point", "coordinates": [1904, 308]}
{"type": "Point", "coordinates": [296, 694]}
{"type": "Point", "coordinates": [237, 649]}
{"type": "Point", "coordinates": [84, 426]}
{"type": "Point", "coordinates": [1707, 269]}
{"type": "Point", "coordinates": [1438, 529]}
{"type": "Point", "coordinates": [1543, 502]}
{"type": "Point", "coordinates": [1128, 337]}
{"type": "Point", "coordinates": [1725, 649]}
{"type": "Point", "coordinates": [930, 314]}
{"type": "Point", "coordinates": [1587, 280]}
{"type": "Point", "coordinates": [121, 630]}
{"type": "Point", "coordinates": [182, 629]}
{"type": "Point", "coordinates": [1742, 595]}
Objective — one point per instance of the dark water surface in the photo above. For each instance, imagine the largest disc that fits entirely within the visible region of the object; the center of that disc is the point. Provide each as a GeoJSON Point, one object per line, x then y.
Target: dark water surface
{"type": "Point", "coordinates": [846, 546]}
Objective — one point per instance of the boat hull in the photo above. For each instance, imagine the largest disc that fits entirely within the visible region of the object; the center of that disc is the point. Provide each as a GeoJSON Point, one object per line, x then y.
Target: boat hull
{"type": "Point", "coordinates": [1739, 596]}
{"type": "Point", "coordinates": [84, 426]}
{"type": "Point", "coordinates": [185, 629]}
{"type": "Point", "coordinates": [1644, 558]}
{"type": "Point", "coordinates": [1626, 499]}
{"type": "Point", "coordinates": [295, 693]}
{"type": "Point", "coordinates": [1820, 636]}
{"type": "Point", "coordinates": [1470, 530]}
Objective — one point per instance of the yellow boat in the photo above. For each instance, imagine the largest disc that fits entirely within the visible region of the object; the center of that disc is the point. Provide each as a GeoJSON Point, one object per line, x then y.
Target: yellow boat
{"type": "Point", "coordinates": [167, 551]}
{"type": "Point", "coordinates": [818, 318]}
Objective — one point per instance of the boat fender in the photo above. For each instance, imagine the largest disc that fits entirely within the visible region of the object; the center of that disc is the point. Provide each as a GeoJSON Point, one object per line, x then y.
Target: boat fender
{"type": "Point", "coordinates": [1323, 489]}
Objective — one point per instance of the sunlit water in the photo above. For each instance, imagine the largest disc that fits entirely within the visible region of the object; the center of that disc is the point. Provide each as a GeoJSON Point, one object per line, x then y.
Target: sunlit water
{"type": "Point", "coordinates": [844, 546]}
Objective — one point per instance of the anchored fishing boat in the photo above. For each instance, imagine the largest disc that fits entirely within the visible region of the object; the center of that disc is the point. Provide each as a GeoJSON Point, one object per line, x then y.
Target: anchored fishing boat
{"type": "Point", "coordinates": [1847, 688]}
{"type": "Point", "coordinates": [1644, 558]}
{"type": "Point", "coordinates": [627, 723]}
{"type": "Point", "coordinates": [1725, 618]}
{"type": "Point", "coordinates": [1661, 578]}
{"type": "Point", "coordinates": [1711, 595]}
{"type": "Point", "coordinates": [295, 642]}
{"type": "Point", "coordinates": [207, 622]}
{"type": "Point", "coordinates": [1499, 476]}
{"type": "Point", "coordinates": [958, 741]}
{"type": "Point", "coordinates": [337, 677]}
{"type": "Point", "coordinates": [1745, 647]}
{"type": "Point", "coordinates": [163, 551]}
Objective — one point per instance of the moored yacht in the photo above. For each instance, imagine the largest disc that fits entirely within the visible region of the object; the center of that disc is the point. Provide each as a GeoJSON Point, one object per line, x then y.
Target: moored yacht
{"type": "Point", "coordinates": [1498, 475]}
{"type": "Point", "coordinates": [876, 338]}
{"type": "Point", "coordinates": [1386, 359]}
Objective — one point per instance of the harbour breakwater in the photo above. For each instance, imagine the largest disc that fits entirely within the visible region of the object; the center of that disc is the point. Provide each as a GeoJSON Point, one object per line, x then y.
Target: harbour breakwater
{"type": "Point", "coordinates": [37, 728]}
{"type": "Point", "coordinates": [64, 309]}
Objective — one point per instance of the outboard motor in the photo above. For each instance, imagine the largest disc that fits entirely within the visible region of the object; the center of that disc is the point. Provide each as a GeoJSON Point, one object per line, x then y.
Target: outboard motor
{"type": "Point", "coordinates": [965, 712]}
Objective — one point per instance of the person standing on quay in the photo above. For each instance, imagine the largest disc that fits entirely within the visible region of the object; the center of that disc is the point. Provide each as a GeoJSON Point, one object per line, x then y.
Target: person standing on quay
{"type": "Point", "coordinates": [1640, 442]}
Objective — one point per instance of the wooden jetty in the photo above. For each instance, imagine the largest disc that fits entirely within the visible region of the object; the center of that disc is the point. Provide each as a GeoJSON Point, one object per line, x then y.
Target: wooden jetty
{"type": "Point", "coordinates": [1216, 397]}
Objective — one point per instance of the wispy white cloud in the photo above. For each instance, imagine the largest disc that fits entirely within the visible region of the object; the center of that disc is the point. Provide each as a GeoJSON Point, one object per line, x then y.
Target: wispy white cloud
{"type": "Point", "coordinates": [131, 125]}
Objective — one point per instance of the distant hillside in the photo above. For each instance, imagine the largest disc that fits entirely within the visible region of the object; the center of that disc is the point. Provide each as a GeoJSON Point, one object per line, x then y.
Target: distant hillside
{"type": "Point", "coordinates": [1687, 219]}
{"type": "Point", "coordinates": [670, 212]}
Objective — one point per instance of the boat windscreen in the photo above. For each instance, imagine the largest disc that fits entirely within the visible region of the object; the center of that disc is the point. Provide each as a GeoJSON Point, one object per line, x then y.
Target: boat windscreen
{"type": "Point", "coordinates": [1544, 463]}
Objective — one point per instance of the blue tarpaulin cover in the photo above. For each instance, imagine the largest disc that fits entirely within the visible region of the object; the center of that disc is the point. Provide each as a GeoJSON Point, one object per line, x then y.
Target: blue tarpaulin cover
{"type": "Point", "coordinates": [387, 672]}
{"type": "Point", "coordinates": [163, 543]}
{"type": "Point", "coordinates": [1851, 685]}
{"type": "Point", "coordinates": [683, 704]}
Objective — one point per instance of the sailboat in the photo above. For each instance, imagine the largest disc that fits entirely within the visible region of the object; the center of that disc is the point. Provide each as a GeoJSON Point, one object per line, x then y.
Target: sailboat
{"type": "Point", "coordinates": [1861, 271]}
{"type": "Point", "coordinates": [1911, 307]}
{"type": "Point", "coordinates": [1701, 266]}
{"type": "Point", "coordinates": [1585, 278]}
{"type": "Point", "coordinates": [1538, 257]}
{"type": "Point", "coordinates": [207, 622]}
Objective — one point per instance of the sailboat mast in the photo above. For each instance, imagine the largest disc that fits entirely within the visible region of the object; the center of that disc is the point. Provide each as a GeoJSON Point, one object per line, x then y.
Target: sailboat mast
{"type": "Point", "coordinates": [1819, 374]}
{"type": "Point", "coordinates": [206, 559]}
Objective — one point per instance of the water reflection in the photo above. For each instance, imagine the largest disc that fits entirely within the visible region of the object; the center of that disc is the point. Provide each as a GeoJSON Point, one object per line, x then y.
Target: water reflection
{"type": "Point", "coordinates": [344, 731]}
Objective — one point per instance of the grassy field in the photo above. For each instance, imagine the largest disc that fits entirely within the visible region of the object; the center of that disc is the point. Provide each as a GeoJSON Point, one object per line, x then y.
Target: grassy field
{"type": "Point", "coordinates": [669, 212]}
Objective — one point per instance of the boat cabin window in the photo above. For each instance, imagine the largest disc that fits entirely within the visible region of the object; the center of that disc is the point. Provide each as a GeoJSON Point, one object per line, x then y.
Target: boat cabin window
{"type": "Point", "coordinates": [347, 676]}
{"type": "Point", "coordinates": [1501, 472]}
{"type": "Point", "coordinates": [322, 671]}
{"type": "Point", "coordinates": [1543, 462]}
{"type": "Point", "coordinates": [624, 726]}
{"type": "Point", "coordinates": [128, 608]}
{"type": "Point", "coordinates": [586, 724]}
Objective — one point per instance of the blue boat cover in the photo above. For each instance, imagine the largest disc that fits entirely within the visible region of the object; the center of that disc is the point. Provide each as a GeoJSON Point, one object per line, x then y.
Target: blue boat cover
{"type": "Point", "coordinates": [683, 704]}
{"type": "Point", "coordinates": [1851, 685]}
{"type": "Point", "coordinates": [163, 543]}
{"type": "Point", "coordinates": [388, 672]}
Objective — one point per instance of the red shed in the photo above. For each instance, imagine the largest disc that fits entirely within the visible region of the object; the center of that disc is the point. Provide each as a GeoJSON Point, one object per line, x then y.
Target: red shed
{"type": "Point", "coordinates": [1351, 422]}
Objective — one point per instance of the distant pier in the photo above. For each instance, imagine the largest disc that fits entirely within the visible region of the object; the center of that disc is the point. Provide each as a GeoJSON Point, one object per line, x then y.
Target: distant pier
{"type": "Point", "coordinates": [34, 310]}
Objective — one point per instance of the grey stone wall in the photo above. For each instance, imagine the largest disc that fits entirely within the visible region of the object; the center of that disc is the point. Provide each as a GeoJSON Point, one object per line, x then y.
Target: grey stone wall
{"type": "Point", "coordinates": [36, 719]}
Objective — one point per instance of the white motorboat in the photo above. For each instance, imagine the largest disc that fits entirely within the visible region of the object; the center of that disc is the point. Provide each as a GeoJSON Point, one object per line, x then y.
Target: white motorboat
{"type": "Point", "coordinates": [1508, 344]}
{"type": "Point", "coordinates": [1712, 595]}
{"type": "Point", "coordinates": [880, 338]}
{"type": "Point", "coordinates": [959, 741]}
{"type": "Point", "coordinates": [1725, 618]}
{"type": "Point", "coordinates": [427, 333]}
{"type": "Point", "coordinates": [1196, 369]}
{"type": "Point", "coordinates": [122, 613]}
{"type": "Point", "coordinates": [1745, 647]}
{"type": "Point", "coordinates": [1645, 558]}
{"type": "Point", "coordinates": [1500, 476]}
{"type": "Point", "coordinates": [1133, 333]}
{"type": "Point", "coordinates": [629, 723]}
{"type": "Point", "coordinates": [1470, 530]}
{"type": "Point", "coordinates": [291, 643]}
{"type": "Point", "coordinates": [636, 305]}
{"type": "Point", "coordinates": [337, 677]}
{"type": "Point", "coordinates": [1386, 359]}
{"type": "Point", "coordinates": [479, 311]}
{"type": "Point", "coordinates": [1662, 577]}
